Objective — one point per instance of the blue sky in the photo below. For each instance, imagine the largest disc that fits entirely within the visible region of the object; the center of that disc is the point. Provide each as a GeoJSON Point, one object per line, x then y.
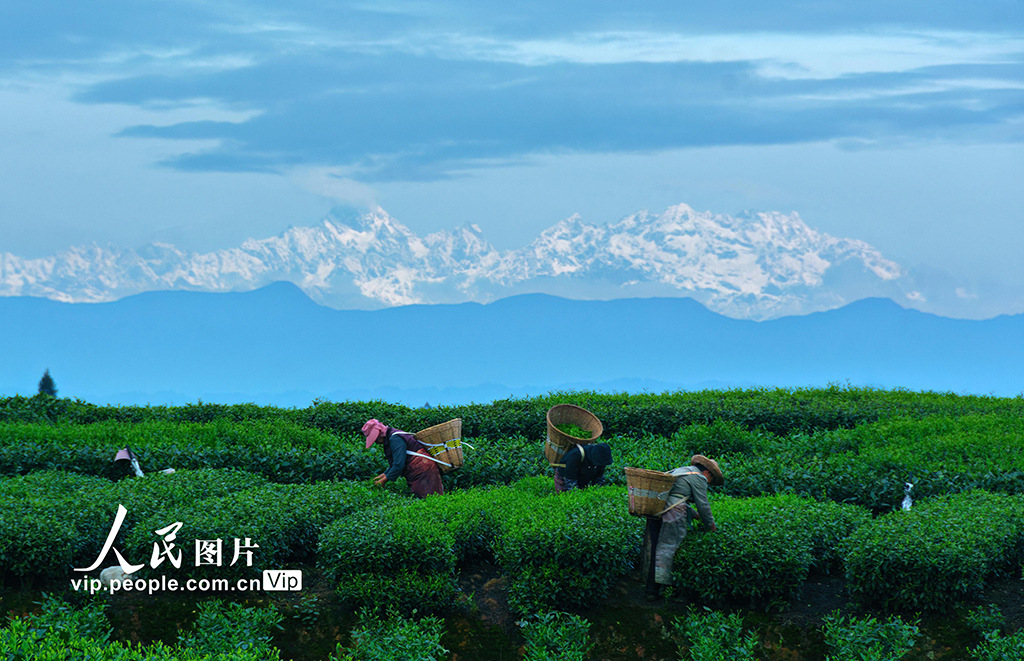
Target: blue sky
{"type": "Point", "coordinates": [204, 123]}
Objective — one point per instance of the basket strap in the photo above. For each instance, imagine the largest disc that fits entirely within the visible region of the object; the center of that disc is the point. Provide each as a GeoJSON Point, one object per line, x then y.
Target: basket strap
{"type": "Point", "coordinates": [673, 506]}
{"type": "Point", "coordinates": [437, 445]}
{"type": "Point", "coordinates": [417, 454]}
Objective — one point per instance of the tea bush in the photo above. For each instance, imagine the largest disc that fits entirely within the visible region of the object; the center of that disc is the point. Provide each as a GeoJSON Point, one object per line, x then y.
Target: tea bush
{"type": "Point", "coordinates": [937, 554]}
{"type": "Point", "coordinates": [228, 628]}
{"type": "Point", "coordinates": [764, 548]}
{"type": "Point", "coordinates": [562, 549]}
{"type": "Point", "coordinates": [779, 411]}
{"type": "Point", "coordinates": [556, 636]}
{"type": "Point", "coordinates": [997, 647]}
{"type": "Point", "coordinates": [52, 521]}
{"type": "Point", "coordinates": [715, 636]}
{"type": "Point", "coordinates": [867, 639]}
{"type": "Point", "coordinates": [394, 637]}
{"type": "Point", "coordinates": [278, 449]}
{"type": "Point", "coordinates": [284, 521]}
{"type": "Point", "coordinates": [63, 633]}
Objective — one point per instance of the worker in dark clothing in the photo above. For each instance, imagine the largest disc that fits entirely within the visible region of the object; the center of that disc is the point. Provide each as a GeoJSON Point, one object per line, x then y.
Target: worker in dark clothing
{"type": "Point", "coordinates": [583, 466]}
{"type": "Point", "coordinates": [406, 457]}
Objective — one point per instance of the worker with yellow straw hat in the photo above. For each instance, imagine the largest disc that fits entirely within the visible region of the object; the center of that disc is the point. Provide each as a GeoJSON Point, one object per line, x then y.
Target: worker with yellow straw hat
{"type": "Point", "coordinates": [691, 486]}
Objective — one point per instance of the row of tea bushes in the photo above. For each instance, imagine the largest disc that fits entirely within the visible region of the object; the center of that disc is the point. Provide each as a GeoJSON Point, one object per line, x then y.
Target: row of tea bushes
{"type": "Point", "coordinates": [51, 521]}
{"type": "Point", "coordinates": [871, 464]}
{"type": "Point", "coordinates": [867, 466]}
{"type": "Point", "coordinates": [779, 411]}
{"type": "Point", "coordinates": [283, 520]}
{"type": "Point", "coordinates": [568, 549]}
{"type": "Point", "coordinates": [936, 555]}
{"type": "Point", "coordinates": [222, 632]}
{"type": "Point", "coordinates": [764, 549]}
{"type": "Point", "coordinates": [281, 450]}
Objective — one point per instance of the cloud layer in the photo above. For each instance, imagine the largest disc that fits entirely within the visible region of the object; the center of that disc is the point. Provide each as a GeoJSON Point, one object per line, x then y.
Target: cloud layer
{"type": "Point", "coordinates": [420, 91]}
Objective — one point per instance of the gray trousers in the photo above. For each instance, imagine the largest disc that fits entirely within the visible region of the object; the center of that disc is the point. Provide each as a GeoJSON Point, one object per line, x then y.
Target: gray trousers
{"type": "Point", "coordinates": [673, 531]}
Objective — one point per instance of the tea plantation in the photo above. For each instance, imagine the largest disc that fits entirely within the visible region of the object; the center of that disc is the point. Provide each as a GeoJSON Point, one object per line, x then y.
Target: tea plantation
{"type": "Point", "coordinates": [814, 484]}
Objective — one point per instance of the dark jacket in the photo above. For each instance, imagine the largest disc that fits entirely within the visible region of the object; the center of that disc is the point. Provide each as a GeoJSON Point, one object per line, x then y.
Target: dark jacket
{"type": "Point", "coordinates": [396, 442]}
{"type": "Point", "coordinates": [584, 465]}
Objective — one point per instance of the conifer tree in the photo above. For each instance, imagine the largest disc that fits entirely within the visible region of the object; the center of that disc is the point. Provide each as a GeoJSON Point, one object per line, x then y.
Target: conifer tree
{"type": "Point", "coordinates": [46, 384]}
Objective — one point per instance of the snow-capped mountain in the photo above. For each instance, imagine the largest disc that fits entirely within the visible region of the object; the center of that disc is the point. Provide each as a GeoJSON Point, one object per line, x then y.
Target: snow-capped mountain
{"type": "Point", "coordinates": [754, 265]}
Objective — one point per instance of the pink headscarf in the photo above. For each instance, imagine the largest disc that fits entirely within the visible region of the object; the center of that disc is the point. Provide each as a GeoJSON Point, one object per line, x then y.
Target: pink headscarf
{"type": "Point", "coordinates": [372, 430]}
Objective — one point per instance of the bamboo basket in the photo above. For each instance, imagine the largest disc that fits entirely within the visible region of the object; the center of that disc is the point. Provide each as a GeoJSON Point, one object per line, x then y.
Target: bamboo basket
{"type": "Point", "coordinates": [558, 442]}
{"type": "Point", "coordinates": [444, 442]}
{"type": "Point", "coordinates": [648, 491]}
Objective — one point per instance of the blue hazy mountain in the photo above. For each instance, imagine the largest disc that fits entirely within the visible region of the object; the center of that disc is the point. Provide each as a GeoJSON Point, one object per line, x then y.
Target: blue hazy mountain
{"type": "Point", "coordinates": [275, 345]}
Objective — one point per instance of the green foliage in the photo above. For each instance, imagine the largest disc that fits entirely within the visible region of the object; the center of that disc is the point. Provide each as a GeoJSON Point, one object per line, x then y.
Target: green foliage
{"type": "Point", "coordinates": [284, 520]}
{"type": "Point", "coordinates": [714, 636]}
{"type": "Point", "coordinates": [392, 638]}
{"type": "Point", "coordinates": [764, 548]}
{"type": "Point", "coordinates": [402, 590]}
{"type": "Point", "coordinates": [997, 647]}
{"type": "Point", "coordinates": [50, 522]}
{"type": "Point", "coordinates": [564, 549]}
{"type": "Point", "coordinates": [227, 628]}
{"type": "Point", "coordinates": [936, 555]}
{"type": "Point", "coordinates": [278, 449]}
{"type": "Point", "coordinates": [985, 619]}
{"type": "Point", "coordinates": [61, 618]}
{"type": "Point", "coordinates": [855, 639]}
{"type": "Point", "coordinates": [62, 633]}
{"type": "Point", "coordinates": [556, 636]}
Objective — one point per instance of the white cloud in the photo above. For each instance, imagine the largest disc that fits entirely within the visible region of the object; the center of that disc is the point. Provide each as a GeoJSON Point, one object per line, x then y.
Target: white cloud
{"type": "Point", "coordinates": [778, 55]}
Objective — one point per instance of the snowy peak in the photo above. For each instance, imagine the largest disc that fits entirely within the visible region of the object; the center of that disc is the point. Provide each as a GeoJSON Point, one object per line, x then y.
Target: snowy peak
{"type": "Point", "coordinates": [754, 265]}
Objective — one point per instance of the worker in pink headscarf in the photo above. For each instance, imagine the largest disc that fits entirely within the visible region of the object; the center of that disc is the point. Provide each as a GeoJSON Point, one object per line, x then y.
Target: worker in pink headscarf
{"type": "Point", "coordinates": [406, 457]}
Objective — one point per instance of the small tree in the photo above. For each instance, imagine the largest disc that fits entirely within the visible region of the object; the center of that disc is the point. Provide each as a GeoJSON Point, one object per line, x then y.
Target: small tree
{"type": "Point", "coordinates": [46, 384]}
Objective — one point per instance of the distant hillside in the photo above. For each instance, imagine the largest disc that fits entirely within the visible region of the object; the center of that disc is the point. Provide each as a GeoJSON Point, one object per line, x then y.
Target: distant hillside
{"type": "Point", "coordinates": [275, 345]}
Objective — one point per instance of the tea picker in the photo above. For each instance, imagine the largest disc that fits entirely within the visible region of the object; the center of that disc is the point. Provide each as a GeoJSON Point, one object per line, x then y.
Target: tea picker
{"type": "Point", "coordinates": [570, 448]}
{"type": "Point", "coordinates": [126, 454]}
{"type": "Point", "coordinates": [411, 458]}
{"type": "Point", "coordinates": [663, 498]}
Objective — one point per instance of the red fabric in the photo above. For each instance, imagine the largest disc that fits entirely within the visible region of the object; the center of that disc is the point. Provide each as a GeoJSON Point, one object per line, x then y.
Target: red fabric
{"type": "Point", "coordinates": [423, 475]}
{"type": "Point", "coordinates": [559, 484]}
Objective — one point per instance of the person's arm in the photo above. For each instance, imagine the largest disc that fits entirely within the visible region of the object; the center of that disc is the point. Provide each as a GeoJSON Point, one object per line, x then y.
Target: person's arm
{"type": "Point", "coordinates": [598, 480]}
{"type": "Point", "coordinates": [398, 458]}
{"type": "Point", "coordinates": [700, 500]}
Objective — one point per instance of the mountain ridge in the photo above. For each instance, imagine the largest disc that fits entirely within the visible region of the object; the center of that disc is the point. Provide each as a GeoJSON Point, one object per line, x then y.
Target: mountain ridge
{"type": "Point", "coordinates": [754, 265]}
{"type": "Point", "coordinates": [277, 345]}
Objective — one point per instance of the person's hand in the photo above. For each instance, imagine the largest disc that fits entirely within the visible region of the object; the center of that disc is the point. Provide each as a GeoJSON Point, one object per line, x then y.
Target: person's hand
{"type": "Point", "coordinates": [713, 528]}
{"type": "Point", "coordinates": [380, 480]}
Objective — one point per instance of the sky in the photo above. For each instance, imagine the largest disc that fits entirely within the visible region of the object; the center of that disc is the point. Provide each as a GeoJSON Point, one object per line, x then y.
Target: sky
{"type": "Point", "coordinates": [900, 123]}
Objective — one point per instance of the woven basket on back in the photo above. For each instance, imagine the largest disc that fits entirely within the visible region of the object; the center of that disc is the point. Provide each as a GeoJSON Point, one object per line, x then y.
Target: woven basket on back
{"type": "Point", "coordinates": [444, 442]}
{"type": "Point", "coordinates": [558, 441]}
{"type": "Point", "coordinates": [648, 491]}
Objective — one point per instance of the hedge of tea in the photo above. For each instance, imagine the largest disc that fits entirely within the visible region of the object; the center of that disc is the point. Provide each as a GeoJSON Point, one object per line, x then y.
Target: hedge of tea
{"type": "Point", "coordinates": [568, 549]}
{"type": "Point", "coordinates": [871, 464]}
{"type": "Point", "coordinates": [63, 633]}
{"type": "Point", "coordinates": [764, 548]}
{"type": "Point", "coordinates": [867, 466]}
{"type": "Point", "coordinates": [281, 450]}
{"type": "Point", "coordinates": [779, 411]}
{"type": "Point", "coordinates": [936, 555]}
{"type": "Point", "coordinates": [52, 521]}
{"type": "Point", "coordinates": [284, 521]}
